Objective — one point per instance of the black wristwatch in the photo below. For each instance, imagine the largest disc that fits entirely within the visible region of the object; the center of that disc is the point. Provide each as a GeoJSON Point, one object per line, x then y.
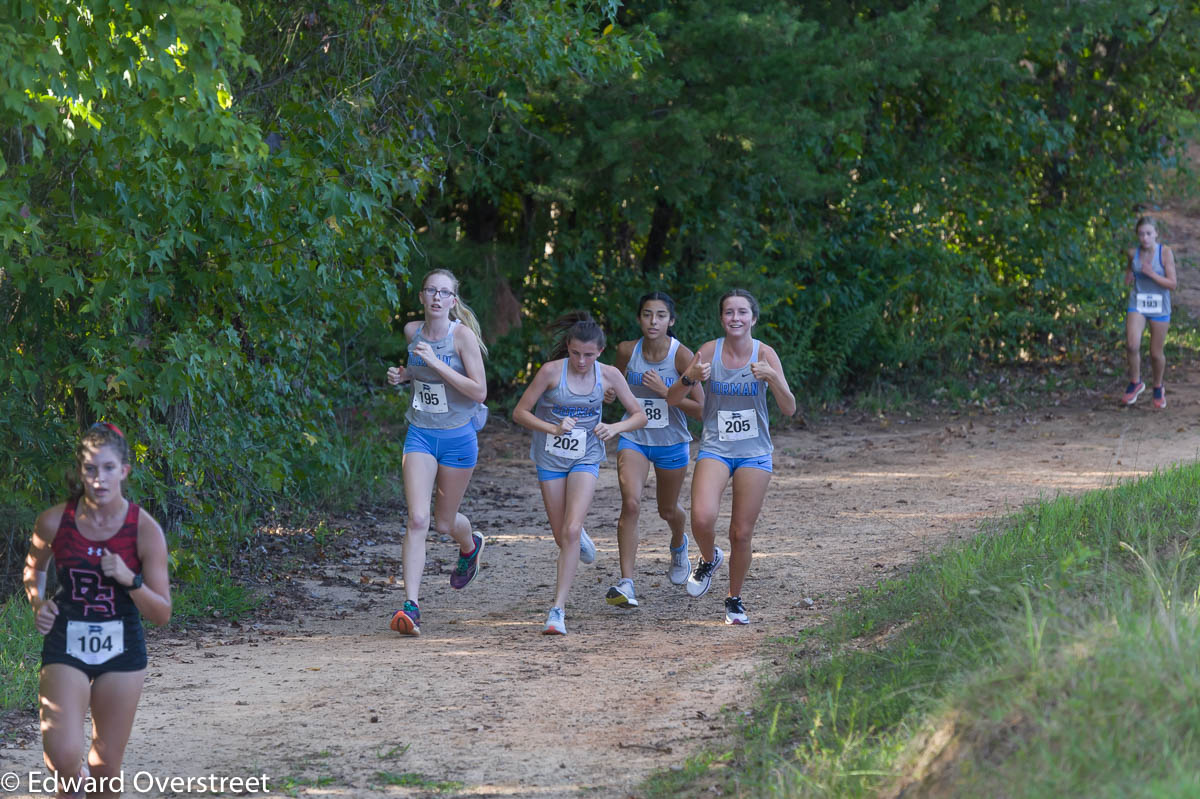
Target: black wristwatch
{"type": "Point", "coordinates": [136, 584]}
{"type": "Point", "coordinates": [687, 381]}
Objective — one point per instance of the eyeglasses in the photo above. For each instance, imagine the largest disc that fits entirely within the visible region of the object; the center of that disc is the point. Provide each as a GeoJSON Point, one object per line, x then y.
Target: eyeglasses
{"type": "Point", "coordinates": [430, 291]}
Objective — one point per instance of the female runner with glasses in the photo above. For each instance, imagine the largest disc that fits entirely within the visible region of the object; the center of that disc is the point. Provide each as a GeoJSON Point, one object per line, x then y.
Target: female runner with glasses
{"type": "Point", "coordinates": [445, 366]}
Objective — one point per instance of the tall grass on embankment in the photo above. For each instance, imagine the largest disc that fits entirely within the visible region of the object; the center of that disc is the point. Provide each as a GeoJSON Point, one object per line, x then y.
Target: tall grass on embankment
{"type": "Point", "coordinates": [1055, 654]}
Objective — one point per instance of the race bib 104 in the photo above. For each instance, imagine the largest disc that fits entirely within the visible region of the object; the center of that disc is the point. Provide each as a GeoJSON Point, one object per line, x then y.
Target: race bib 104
{"type": "Point", "coordinates": [95, 642]}
{"type": "Point", "coordinates": [737, 425]}
{"type": "Point", "coordinates": [430, 397]}
{"type": "Point", "coordinates": [1150, 304]}
{"type": "Point", "coordinates": [656, 412]}
{"type": "Point", "coordinates": [569, 445]}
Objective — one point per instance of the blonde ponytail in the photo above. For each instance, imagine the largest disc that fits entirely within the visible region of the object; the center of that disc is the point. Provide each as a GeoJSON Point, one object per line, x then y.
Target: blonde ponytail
{"type": "Point", "coordinates": [463, 313]}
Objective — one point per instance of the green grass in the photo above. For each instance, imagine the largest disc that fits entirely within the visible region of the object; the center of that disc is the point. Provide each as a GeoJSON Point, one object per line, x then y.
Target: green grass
{"type": "Point", "coordinates": [20, 654]}
{"type": "Point", "coordinates": [217, 595]}
{"type": "Point", "coordinates": [1053, 655]}
{"type": "Point", "coordinates": [413, 780]}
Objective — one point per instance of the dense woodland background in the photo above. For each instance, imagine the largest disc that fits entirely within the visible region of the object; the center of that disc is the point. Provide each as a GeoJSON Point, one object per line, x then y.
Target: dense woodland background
{"type": "Point", "coordinates": [211, 214]}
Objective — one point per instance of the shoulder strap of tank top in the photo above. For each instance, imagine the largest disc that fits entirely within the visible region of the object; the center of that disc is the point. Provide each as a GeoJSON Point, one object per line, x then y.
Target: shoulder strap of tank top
{"type": "Point", "coordinates": [68, 515]}
{"type": "Point", "coordinates": [562, 375]}
{"type": "Point", "coordinates": [599, 385]}
{"type": "Point", "coordinates": [674, 348]}
{"type": "Point", "coordinates": [754, 351]}
{"type": "Point", "coordinates": [718, 349]}
{"type": "Point", "coordinates": [131, 515]}
{"type": "Point", "coordinates": [637, 350]}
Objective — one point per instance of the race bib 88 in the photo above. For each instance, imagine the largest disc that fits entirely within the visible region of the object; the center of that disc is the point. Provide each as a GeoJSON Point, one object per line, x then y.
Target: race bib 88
{"type": "Point", "coordinates": [656, 412]}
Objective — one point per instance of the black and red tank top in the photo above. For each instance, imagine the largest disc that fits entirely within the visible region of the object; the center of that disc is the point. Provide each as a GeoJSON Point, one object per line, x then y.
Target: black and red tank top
{"type": "Point", "coordinates": [83, 590]}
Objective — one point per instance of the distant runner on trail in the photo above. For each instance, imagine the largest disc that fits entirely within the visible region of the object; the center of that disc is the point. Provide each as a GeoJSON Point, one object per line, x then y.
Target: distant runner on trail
{"type": "Point", "coordinates": [445, 367]}
{"type": "Point", "coordinates": [1151, 273]}
{"type": "Point", "coordinates": [736, 442]}
{"type": "Point", "coordinates": [651, 365]}
{"type": "Point", "coordinates": [110, 558]}
{"type": "Point", "coordinates": [562, 406]}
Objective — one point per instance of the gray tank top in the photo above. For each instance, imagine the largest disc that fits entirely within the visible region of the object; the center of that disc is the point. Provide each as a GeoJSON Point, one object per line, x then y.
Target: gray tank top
{"type": "Point", "coordinates": [580, 446]}
{"type": "Point", "coordinates": [735, 410]}
{"type": "Point", "coordinates": [1147, 296]}
{"type": "Point", "coordinates": [436, 405]}
{"type": "Point", "coordinates": [664, 426]}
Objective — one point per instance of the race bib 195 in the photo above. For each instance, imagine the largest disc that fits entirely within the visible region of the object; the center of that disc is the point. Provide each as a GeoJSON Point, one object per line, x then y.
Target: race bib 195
{"type": "Point", "coordinates": [656, 412]}
{"type": "Point", "coordinates": [430, 397]}
{"type": "Point", "coordinates": [737, 425]}
{"type": "Point", "coordinates": [95, 642]}
{"type": "Point", "coordinates": [569, 445]}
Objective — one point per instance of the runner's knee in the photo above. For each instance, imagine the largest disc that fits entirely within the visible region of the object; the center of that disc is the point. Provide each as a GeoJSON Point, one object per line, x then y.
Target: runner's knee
{"type": "Point", "coordinates": [572, 533]}
{"type": "Point", "coordinates": [740, 535]}
{"type": "Point", "coordinates": [418, 520]}
{"type": "Point", "coordinates": [703, 519]}
{"type": "Point", "coordinates": [63, 757]}
{"type": "Point", "coordinates": [670, 513]}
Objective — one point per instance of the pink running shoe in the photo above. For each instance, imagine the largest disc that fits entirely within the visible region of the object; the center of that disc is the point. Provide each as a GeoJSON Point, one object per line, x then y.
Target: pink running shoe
{"type": "Point", "coordinates": [1132, 392]}
{"type": "Point", "coordinates": [1160, 397]}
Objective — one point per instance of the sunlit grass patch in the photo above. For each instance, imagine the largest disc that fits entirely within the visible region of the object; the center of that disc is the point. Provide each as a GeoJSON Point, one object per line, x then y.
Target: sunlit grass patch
{"type": "Point", "coordinates": [1052, 655]}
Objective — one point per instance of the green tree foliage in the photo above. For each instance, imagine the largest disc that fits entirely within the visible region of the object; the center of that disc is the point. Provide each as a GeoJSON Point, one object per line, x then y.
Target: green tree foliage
{"type": "Point", "coordinates": [903, 184]}
{"type": "Point", "coordinates": [203, 230]}
{"type": "Point", "coordinates": [210, 212]}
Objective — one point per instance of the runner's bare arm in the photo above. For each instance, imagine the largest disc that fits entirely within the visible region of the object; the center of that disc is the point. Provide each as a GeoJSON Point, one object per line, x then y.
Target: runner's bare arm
{"type": "Point", "coordinates": [693, 402]}
{"type": "Point", "coordinates": [545, 378]}
{"type": "Point", "coordinates": [36, 561]}
{"type": "Point", "coordinates": [775, 378]}
{"type": "Point", "coordinates": [473, 384]}
{"type": "Point", "coordinates": [153, 599]}
{"type": "Point", "coordinates": [636, 415]}
{"type": "Point", "coordinates": [399, 374]}
{"type": "Point", "coordinates": [624, 353]}
{"type": "Point", "coordinates": [698, 369]}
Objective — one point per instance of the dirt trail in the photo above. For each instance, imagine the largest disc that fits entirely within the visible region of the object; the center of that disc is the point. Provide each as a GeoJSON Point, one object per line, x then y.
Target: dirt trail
{"type": "Point", "coordinates": [329, 702]}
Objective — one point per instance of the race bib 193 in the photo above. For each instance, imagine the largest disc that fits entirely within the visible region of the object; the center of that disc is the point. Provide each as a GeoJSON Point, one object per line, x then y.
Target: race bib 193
{"type": "Point", "coordinates": [569, 445]}
{"type": "Point", "coordinates": [737, 425]}
{"type": "Point", "coordinates": [1149, 304]}
{"type": "Point", "coordinates": [430, 397]}
{"type": "Point", "coordinates": [95, 642]}
{"type": "Point", "coordinates": [656, 412]}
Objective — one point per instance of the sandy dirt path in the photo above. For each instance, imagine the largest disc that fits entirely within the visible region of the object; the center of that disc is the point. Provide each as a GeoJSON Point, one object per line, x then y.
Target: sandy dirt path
{"type": "Point", "coordinates": [326, 701]}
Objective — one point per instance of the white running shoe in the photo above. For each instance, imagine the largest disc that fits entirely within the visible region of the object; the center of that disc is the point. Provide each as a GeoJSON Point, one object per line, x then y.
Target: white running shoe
{"type": "Point", "coordinates": [701, 579]}
{"type": "Point", "coordinates": [587, 547]}
{"type": "Point", "coordinates": [621, 594]}
{"type": "Point", "coordinates": [735, 611]}
{"type": "Point", "coordinates": [556, 623]}
{"type": "Point", "coordinates": [678, 573]}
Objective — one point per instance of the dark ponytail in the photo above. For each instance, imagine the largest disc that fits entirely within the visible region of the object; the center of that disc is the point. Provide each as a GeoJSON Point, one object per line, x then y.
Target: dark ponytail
{"type": "Point", "coordinates": [577, 326]}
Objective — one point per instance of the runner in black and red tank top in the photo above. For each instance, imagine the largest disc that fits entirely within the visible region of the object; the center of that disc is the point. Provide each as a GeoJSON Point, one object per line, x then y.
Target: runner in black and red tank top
{"type": "Point", "coordinates": [83, 590]}
{"type": "Point", "coordinates": [111, 561]}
